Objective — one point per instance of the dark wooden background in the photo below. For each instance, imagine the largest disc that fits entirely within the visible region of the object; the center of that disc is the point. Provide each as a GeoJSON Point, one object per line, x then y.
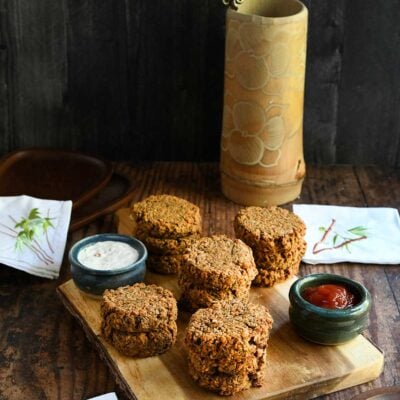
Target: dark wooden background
{"type": "Point", "coordinates": [142, 79]}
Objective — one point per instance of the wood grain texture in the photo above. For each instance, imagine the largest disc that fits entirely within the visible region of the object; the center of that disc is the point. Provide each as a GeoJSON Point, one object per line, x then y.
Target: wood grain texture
{"type": "Point", "coordinates": [4, 128]}
{"type": "Point", "coordinates": [143, 80]}
{"type": "Point", "coordinates": [98, 75]}
{"type": "Point", "coordinates": [37, 73]}
{"type": "Point", "coordinates": [371, 61]}
{"type": "Point", "coordinates": [324, 66]}
{"type": "Point", "coordinates": [44, 353]}
{"type": "Point", "coordinates": [5, 142]}
{"type": "Point", "coordinates": [175, 58]}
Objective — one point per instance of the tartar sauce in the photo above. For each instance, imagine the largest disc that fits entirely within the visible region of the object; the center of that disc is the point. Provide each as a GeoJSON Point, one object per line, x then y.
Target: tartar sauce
{"type": "Point", "coordinates": [108, 255]}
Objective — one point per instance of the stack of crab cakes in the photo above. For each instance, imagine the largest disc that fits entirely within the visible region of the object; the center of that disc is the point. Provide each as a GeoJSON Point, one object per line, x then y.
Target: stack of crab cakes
{"type": "Point", "coordinates": [227, 346]}
{"type": "Point", "coordinates": [276, 237]}
{"type": "Point", "coordinates": [139, 320]}
{"type": "Point", "coordinates": [166, 225]}
{"type": "Point", "coordinates": [215, 268]}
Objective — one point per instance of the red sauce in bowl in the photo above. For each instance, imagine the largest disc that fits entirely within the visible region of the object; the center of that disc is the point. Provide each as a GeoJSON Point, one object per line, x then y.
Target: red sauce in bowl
{"type": "Point", "coordinates": [329, 296]}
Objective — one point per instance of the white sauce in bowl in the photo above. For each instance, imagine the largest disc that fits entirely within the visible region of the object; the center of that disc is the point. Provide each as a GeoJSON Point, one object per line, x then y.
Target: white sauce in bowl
{"type": "Point", "coordinates": [108, 255]}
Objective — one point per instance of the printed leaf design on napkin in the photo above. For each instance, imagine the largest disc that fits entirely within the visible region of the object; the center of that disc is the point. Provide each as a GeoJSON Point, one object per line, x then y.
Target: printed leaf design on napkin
{"type": "Point", "coordinates": [31, 233]}
{"type": "Point", "coordinates": [339, 240]}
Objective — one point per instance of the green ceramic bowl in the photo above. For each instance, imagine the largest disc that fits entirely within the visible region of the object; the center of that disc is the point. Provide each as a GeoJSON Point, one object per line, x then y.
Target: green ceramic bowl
{"type": "Point", "coordinates": [328, 326]}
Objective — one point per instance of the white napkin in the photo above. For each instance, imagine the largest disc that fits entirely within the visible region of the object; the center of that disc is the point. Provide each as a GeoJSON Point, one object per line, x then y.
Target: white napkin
{"type": "Point", "coordinates": [33, 234]}
{"type": "Point", "coordinates": [340, 234]}
{"type": "Point", "coordinates": [107, 396]}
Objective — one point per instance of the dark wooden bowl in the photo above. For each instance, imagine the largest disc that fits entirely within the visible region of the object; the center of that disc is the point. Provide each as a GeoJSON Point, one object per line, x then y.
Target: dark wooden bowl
{"type": "Point", "coordinates": [53, 174]}
{"type": "Point", "coordinates": [118, 193]}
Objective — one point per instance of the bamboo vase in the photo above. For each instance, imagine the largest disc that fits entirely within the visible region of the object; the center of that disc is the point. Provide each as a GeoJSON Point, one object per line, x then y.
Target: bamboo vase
{"type": "Point", "coordinates": [262, 160]}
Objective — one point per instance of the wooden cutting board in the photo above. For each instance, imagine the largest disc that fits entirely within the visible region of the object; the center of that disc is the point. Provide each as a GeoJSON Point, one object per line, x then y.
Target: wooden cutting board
{"type": "Point", "coordinates": [296, 368]}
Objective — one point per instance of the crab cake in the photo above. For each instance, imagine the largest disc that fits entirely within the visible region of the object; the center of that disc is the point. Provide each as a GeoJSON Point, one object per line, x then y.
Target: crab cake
{"type": "Point", "coordinates": [140, 344]}
{"type": "Point", "coordinates": [195, 298]}
{"type": "Point", "coordinates": [227, 346]}
{"type": "Point", "coordinates": [165, 216]}
{"type": "Point", "coordinates": [167, 225]}
{"type": "Point", "coordinates": [169, 264]}
{"type": "Point", "coordinates": [269, 278]}
{"type": "Point", "coordinates": [215, 268]}
{"type": "Point", "coordinates": [276, 237]}
{"type": "Point", "coordinates": [224, 384]}
{"type": "Point", "coordinates": [218, 262]}
{"type": "Point", "coordinates": [232, 366]}
{"type": "Point", "coordinates": [166, 247]}
{"type": "Point", "coordinates": [139, 320]}
{"type": "Point", "coordinates": [139, 308]}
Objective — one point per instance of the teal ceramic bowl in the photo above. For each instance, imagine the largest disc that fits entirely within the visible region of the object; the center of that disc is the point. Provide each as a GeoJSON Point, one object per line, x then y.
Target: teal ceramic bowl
{"type": "Point", "coordinates": [328, 326]}
{"type": "Point", "coordinates": [95, 281]}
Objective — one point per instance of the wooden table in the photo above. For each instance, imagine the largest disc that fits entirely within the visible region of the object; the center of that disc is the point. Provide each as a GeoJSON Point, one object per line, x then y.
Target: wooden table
{"type": "Point", "coordinates": [44, 354]}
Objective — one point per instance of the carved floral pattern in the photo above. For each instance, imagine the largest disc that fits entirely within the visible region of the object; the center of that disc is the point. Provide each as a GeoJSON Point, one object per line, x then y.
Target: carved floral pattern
{"type": "Point", "coordinates": [250, 131]}
{"type": "Point", "coordinates": [261, 65]}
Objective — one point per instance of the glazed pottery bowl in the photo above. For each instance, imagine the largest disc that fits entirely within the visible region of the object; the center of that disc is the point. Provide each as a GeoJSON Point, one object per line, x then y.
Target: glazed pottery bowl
{"type": "Point", "coordinates": [323, 325]}
{"type": "Point", "coordinates": [95, 281]}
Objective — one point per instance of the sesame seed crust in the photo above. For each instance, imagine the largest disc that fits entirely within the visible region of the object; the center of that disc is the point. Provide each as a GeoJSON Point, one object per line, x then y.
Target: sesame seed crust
{"type": "Point", "coordinates": [268, 278]}
{"type": "Point", "coordinates": [227, 345]}
{"type": "Point", "coordinates": [168, 264]}
{"type": "Point", "coordinates": [165, 216]}
{"type": "Point", "coordinates": [166, 247]}
{"type": "Point", "coordinates": [226, 384]}
{"type": "Point", "coordinates": [194, 298]}
{"type": "Point", "coordinates": [235, 322]}
{"type": "Point", "coordinates": [139, 308]}
{"type": "Point", "coordinates": [141, 344]}
{"type": "Point", "coordinates": [248, 363]}
{"type": "Point", "coordinates": [268, 222]}
{"type": "Point", "coordinates": [219, 262]}
{"type": "Point", "coordinates": [276, 237]}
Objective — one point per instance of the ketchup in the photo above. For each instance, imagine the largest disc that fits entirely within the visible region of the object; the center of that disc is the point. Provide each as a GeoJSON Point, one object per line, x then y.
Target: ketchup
{"type": "Point", "coordinates": [329, 296]}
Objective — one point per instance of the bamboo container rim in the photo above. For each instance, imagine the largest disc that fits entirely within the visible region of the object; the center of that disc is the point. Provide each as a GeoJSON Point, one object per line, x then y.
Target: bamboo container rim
{"type": "Point", "coordinates": [270, 12]}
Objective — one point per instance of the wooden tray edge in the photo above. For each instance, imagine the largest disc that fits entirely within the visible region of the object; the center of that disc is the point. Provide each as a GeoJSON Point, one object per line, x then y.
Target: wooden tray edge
{"type": "Point", "coordinates": [113, 369]}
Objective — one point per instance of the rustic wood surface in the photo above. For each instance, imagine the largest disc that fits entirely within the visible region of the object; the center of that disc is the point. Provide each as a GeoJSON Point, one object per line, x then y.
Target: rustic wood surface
{"type": "Point", "coordinates": [142, 79]}
{"type": "Point", "coordinates": [44, 354]}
